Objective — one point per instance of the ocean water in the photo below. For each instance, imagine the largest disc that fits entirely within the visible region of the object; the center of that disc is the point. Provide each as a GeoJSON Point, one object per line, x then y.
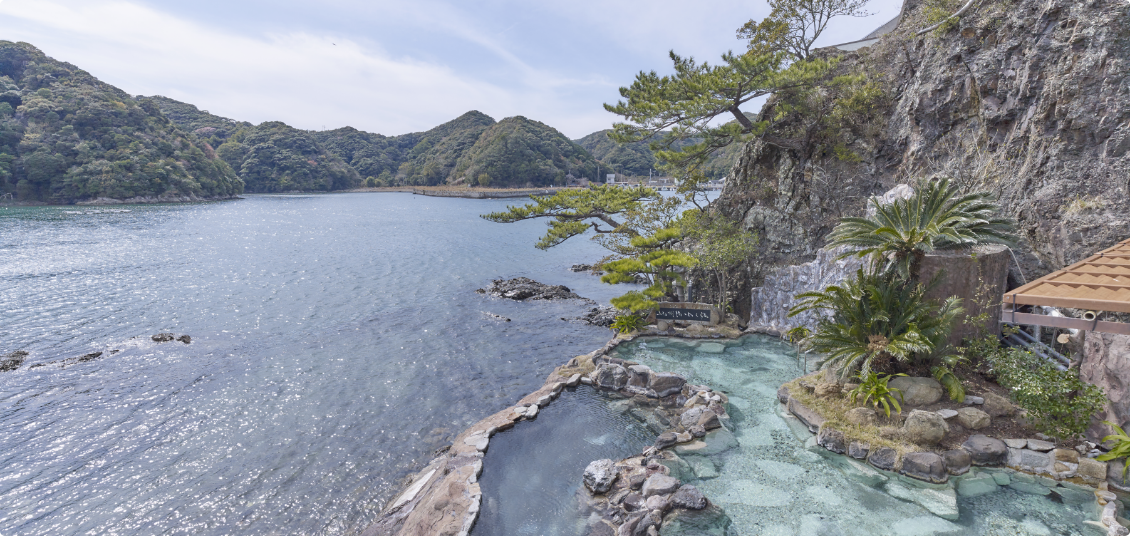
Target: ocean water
{"type": "Point", "coordinates": [337, 341]}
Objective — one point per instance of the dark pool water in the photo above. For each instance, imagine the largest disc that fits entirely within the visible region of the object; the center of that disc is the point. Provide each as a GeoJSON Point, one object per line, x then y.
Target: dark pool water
{"type": "Point", "coordinates": [532, 472]}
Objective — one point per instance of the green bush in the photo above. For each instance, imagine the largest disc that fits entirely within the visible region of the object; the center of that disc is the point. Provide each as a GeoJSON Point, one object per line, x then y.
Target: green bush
{"type": "Point", "coordinates": [1059, 403]}
{"type": "Point", "coordinates": [875, 391]}
{"type": "Point", "coordinates": [1121, 448]}
{"type": "Point", "coordinates": [627, 323]}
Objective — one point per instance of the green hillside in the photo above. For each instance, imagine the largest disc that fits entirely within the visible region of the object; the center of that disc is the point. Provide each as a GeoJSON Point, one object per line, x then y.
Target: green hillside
{"type": "Point", "coordinates": [376, 158]}
{"type": "Point", "coordinates": [637, 158]}
{"type": "Point", "coordinates": [519, 152]}
{"type": "Point", "coordinates": [211, 128]}
{"type": "Point", "coordinates": [275, 157]}
{"type": "Point", "coordinates": [66, 137]}
{"type": "Point", "coordinates": [433, 159]}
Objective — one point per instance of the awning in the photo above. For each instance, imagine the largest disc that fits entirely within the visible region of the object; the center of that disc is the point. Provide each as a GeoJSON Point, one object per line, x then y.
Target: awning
{"type": "Point", "coordinates": [1100, 283]}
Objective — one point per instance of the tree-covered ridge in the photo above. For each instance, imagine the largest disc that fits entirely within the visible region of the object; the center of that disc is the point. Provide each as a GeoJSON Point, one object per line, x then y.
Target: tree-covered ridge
{"type": "Point", "coordinates": [520, 152]}
{"type": "Point", "coordinates": [637, 158]}
{"type": "Point", "coordinates": [275, 157]}
{"type": "Point", "coordinates": [65, 137]}
{"type": "Point", "coordinates": [209, 127]}
{"type": "Point", "coordinates": [433, 159]}
{"type": "Point", "coordinates": [375, 157]}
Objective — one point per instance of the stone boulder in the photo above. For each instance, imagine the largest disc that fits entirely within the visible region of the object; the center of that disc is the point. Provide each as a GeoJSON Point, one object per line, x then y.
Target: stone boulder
{"type": "Point", "coordinates": [666, 439]}
{"type": "Point", "coordinates": [884, 458]}
{"type": "Point", "coordinates": [783, 395]}
{"type": "Point", "coordinates": [639, 376]}
{"type": "Point", "coordinates": [862, 416]}
{"type": "Point", "coordinates": [832, 439]}
{"type": "Point", "coordinates": [924, 427]}
{"type": "Point", "coordinates": [659, 484]}
{"type": "Point", "coordinates": [918, 391]}
{"type": "Point", "coordinates": [926, 466]}
{"type": "Point", "coordinates": [600, 475]}
{"type": "Point", "coordinates": [689, 497]}
{"type": "Point", "coordinates": [985, 450]}
{"type": "Point", "coordinates": [858, 450]}
{"type": "Point", "coordinates": [973, 418]}
{"type": "Point", "coordinates": [957, 461]}
{"type": "Point", "coordinates": [997, 406]}
{"type": "Point", "coordinates": [666, 383]}
{"type": "Point", "coordinates": [610, 376]}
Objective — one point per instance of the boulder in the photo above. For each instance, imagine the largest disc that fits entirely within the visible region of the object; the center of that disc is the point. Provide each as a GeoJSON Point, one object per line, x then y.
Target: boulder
{"type": "Point", "coordinates": [1066, 455]}
{"type": "Point", "coordinates": [657, 502]}
{"type": "Point", "coordinates": [997, 406]}
{"type": "Point", "coordinates": [985, 450]}
{"type": "Point", "coordinates": [639, 376]}
{"type": "Point", "coordinates": [659, 484]}
{"type": "Point", "coordinates": [924, 427]}
{"type": "Point", "coordinates": [697, 430]}
{"type": "Point", "coordinates": [957, 461]}
{"type": "Point", "coordinates": [610, 376]}
{"type": "Point", "coordinates": [1091, 470]}
{"type": "Point", "coordinates": [600, 475]}
{"type": "Point", "coordinates": [926, 466]}
{"type": "Point", "coordinates": [862, 416]}
{"type": "Point", "coordinates": [810, 418]}
{"type": "Point", "coordinates": [708, 421]}
{"type": "Point", "coordinates": [783, 395]}
{"type": "Point", "coordinates": [973, 418]}
{"type": "Point", "coordinates": [858, 450]}
{"type": "Point", "coordinates": [666, 439]}
{"type": "Point", "coordinates": [884, 458]}
{"type": "Point", "coordinates": [918, 391]}
{"type": "Point", "coordinates": [691, 416]}
{"type": "Point", "coordinates": [832, 439]}
{"type": "Point", "coordinates": [1039, 445]}
{"type": "Point", "coordinates": [689, 497]}
{"type": "Point", "coordinates": [827, 389]}
{"type": "Point", "coordinates": [666, 383]}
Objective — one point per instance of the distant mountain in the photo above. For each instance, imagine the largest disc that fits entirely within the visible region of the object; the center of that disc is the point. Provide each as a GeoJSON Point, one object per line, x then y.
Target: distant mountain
{"type": "Point", "coordinates": [520, 152]}
{"type": "Point", "coordinates": [65, 136]}
{"type": "Point", "coordinates": [433, 159]}
{"type": "Point", "coordinates": [275, 157]}
{"type": "Point", "coordinates": [375, 157]}
{"type": "Point", "coordinates": [638, 159]}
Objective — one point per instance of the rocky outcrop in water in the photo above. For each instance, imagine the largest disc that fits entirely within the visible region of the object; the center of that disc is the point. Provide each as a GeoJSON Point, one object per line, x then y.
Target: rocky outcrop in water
{"type": "Point", "coordinates": [602, 316]}
{"type": "Point", "coordinates": [524, 288]}
{"type": "Point", "coordinates": [12, 361]}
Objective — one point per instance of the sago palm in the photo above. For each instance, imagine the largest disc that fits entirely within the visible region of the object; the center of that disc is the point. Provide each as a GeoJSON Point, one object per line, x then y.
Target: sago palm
{"type": "Point", "coordinates": [935, 217]}
{"type": "Point", "coordinates": [873, 319]}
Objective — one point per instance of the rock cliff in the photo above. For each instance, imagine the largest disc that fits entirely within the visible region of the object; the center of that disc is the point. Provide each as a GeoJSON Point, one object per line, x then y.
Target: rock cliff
{"type": "Point", "coordinates": [1029, 99]}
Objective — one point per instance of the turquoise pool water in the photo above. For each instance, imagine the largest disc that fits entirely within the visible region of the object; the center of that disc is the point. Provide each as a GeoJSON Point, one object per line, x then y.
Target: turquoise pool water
{"type": "Point", "coordinates": [770, 483]}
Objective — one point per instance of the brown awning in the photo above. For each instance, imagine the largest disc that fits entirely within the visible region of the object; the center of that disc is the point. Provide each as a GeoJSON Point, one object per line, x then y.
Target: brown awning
{"type": "Point", "coordinates": [1099, 283]}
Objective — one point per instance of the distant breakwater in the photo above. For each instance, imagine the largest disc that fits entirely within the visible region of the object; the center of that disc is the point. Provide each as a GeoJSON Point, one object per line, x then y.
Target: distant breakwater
{"type": "Point", "coordinates": [485, 194]}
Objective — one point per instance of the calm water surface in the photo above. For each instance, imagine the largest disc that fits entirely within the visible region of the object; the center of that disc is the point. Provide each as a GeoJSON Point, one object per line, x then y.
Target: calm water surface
{"type": "Point", "coordinates": [337, 341]}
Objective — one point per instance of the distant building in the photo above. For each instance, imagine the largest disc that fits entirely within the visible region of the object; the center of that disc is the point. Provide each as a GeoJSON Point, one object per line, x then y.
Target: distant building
{"type": "Point", "coordinates": [610, 178]}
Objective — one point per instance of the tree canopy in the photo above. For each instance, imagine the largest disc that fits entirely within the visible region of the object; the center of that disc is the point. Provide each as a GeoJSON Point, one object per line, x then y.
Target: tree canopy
{"type": "Point", "coordinates": [794, 25]}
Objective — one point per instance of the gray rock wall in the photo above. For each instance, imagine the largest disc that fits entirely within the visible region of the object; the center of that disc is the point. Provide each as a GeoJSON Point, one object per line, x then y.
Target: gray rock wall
{"type": "Point", "coordinates": [772, 301]}
{"type": "Point", "coordinates": [1106, 363]}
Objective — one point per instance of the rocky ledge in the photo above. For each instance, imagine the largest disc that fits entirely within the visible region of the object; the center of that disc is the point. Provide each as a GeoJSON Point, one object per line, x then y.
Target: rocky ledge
{"type": "Point", "coordinates": [524, 288]}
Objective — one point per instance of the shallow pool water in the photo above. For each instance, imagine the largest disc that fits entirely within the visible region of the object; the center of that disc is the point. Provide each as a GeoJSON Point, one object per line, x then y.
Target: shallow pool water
{"type": "Point", "coordinates": [770, 483]}
{"type": "Point", "coordinates": [532, 472]}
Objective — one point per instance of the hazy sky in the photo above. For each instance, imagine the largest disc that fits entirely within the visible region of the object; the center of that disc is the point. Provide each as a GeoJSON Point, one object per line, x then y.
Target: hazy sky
{"type": "Point", "coordinates": [389, 66]}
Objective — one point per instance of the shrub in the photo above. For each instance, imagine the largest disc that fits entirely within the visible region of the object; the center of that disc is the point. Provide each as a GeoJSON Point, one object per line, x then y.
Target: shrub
{"type": "Point", "coordinates": [627, 323]}
{"type": "Point", "coordinates": [1059, 403]}
{"type": "Point", "coordinates": [874, 390]}
{"type": "Point", "coordinates": [1121, 448]}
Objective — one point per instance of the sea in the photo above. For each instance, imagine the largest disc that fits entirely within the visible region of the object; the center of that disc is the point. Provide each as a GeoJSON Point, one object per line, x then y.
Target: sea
{"type": "Point", "coordinates": [337, 342]}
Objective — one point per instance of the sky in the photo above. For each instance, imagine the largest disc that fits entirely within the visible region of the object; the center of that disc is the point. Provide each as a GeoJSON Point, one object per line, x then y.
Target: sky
{"type": "Point", "coordinates": [391, 66]}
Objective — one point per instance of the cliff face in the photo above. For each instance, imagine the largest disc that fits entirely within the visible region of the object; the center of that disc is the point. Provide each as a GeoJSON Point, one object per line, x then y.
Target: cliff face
{"type": "Point", "coordinates": [1029, 99]}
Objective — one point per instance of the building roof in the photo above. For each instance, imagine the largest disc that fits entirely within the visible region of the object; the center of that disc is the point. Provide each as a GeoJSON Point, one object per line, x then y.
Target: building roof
{"type": "Point", "coordinates": [1099, 283]}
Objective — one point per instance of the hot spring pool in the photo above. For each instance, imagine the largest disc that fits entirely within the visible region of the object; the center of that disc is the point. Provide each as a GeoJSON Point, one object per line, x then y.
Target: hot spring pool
{"type": "Point", "coordinates": [769, 483]}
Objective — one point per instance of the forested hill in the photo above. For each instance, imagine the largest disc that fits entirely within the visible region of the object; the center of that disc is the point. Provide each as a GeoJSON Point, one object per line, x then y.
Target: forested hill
{"type": "Point", "coordinates": [66, 137]}
{"type": "Point", "coordinates": [638, 159]}
{"type": "Point", "coordinates": [519, 152]}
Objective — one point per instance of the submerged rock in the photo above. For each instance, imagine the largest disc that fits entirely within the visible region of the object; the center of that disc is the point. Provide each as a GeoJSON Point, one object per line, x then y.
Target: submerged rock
{"type": "Point", "coordinates": [524, 288]}
{"type": "Point", "coordinates": [689, 497]}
